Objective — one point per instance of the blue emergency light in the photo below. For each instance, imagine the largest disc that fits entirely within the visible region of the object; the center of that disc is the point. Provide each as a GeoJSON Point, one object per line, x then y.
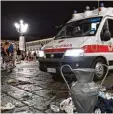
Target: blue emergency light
{"type": "Point", "coordinates": [75, 11]}
{"type": "Point", "coordinates": [101, 4]}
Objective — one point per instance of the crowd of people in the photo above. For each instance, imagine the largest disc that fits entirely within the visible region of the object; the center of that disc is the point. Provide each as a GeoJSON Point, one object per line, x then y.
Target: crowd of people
{"type": "Point", "coordinates": [10, 52]}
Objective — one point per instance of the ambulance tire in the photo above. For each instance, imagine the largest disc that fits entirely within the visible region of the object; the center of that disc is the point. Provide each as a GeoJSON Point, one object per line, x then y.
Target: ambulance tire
{"type": "Point", "coordinates": [98, 63]}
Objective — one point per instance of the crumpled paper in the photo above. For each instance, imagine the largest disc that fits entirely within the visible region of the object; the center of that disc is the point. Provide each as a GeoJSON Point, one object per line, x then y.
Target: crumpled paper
{"type": "Point", "coordinates": [67, 105]}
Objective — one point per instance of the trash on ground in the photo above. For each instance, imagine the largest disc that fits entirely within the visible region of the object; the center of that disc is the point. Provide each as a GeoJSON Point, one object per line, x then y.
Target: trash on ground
{"type": "Point", "coordinates": [11, 81]}
{"type": "Point", "coordinates": [110, 87]}
{"type": "Point", "coordinates": [9, 70]}
{"type": "Point", "coordinates": [109, 96]}
{"type": "Point", "coordinates": [55, 108]}
{"type": "Point", "coordinates": [8, 106]}
{"type": "Point", "coordinates": [97, 111]}
{"type": "Point", "coordinates": [102, 88]}
{"type": "Point", "coordinates": [49, 102]}
{"type": "Point", "coordinates": [105, 95]}
{"type": "Point", "coordinates": [67, 105]}
{"type": "Point", "coordinates": [27, 95]}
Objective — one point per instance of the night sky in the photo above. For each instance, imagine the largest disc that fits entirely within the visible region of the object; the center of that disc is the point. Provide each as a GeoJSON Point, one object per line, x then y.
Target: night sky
{"type": "Point", "coordinates": [42, 16]}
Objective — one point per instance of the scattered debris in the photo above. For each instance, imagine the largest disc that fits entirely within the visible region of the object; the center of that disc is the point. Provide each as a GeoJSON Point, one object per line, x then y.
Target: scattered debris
{"type": "Point", "coordinates": [9, 70]}
{"type": "Point", "coordinates": [18, 104]}
{"type": "Point", "coordinates": [24, 82]}
{"type": "Point", "coordinates": [48, 103]}
{"type": "Point", "coordinates": [55, 108]}
{"type": "Point", "coordinates": [27, 95]}
{"type": "Point", "coordinates": [8, 106]}
{"type": "Point", "coordinates": [20, 69]}
{"type": "Point", "coordinates": [51, 93]}
{"type": "Point", "coordinates": [102, 88]}
{"type": "Point", "coordinates": [12, 81]}
{"type": "Point", "coordinates": [97, 111]}
{"type": "Point", "coordinates": [105, 95]}
{"type": "Point", "coordinates": [17, 82]}
{"type": "Point", "coordinates": [67, 105]}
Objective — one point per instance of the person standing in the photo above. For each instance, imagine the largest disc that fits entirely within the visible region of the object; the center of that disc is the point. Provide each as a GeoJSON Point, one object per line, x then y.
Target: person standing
{"type": "Point", "coordinates": [14, 57]}
{"type": "Point", "coordinates": [35, 55]}
{"type": "Point", "coordinates": [11, 49]}
{"type": "Point", "coordinates": [6, 51]}
{"type": "Point", "coordinates": [11, 52]}
{"type": "Point", "coordinates": [2, 55]}
{"type": "Point", "coordinates": [29, 56]}
{"type": "Point", "coordinates": [6, 54]}
{"type": "Point", "coordinates": [18, 55]}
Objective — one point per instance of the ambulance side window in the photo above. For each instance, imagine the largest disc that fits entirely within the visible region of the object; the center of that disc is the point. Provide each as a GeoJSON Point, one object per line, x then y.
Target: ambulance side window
{"type": "Point", "coordinates": [110, 22]}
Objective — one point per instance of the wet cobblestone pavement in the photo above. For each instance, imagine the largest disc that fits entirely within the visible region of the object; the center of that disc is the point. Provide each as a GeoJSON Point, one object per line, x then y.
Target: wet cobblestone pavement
{"type": "Point", "coordinates": [31, 90]}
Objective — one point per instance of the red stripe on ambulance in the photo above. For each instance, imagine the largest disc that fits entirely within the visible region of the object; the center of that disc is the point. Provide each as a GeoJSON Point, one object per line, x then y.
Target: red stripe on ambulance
{"type": "Point", "coordinates": [56, 50]}
{"type": "Point", "coordinates": [97, 48]}
{"type": "Point", "coordinates": [87, 49]}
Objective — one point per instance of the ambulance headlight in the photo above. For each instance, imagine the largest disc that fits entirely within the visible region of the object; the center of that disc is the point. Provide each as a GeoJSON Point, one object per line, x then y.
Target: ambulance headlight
{"type": "Point", "coordinates": [74, 52]}
{"type": "Point", "coordinates": [41, 54]}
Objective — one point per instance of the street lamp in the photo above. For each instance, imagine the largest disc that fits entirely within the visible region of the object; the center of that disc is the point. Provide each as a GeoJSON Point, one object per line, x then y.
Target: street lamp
{"type": "Point", "coordinates": [21, 28]}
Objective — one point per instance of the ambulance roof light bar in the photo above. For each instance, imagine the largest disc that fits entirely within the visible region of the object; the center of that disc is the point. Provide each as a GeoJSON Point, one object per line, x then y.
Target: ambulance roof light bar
{"type": "Point", "coordinates": [75, 12]}
{"type": "Point", "coordinates": [101, 4]}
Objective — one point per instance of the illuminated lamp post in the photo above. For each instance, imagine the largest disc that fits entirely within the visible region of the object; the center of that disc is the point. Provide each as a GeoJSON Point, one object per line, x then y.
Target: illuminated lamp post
{"type": "Point", "coordinates": [21, 28]}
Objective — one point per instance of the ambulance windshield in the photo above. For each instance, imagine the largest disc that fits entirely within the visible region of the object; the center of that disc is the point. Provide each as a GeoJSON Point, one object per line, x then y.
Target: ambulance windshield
{"type": "Point", "coordinates": [80, 28]}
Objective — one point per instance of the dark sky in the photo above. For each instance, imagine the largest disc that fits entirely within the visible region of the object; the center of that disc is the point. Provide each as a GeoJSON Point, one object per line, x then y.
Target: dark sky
{"type": "Point", "coordinates": [42, 16]}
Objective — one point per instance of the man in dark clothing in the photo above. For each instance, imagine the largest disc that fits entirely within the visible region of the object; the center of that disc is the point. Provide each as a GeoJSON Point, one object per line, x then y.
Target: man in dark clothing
{"type": "Point", "coordinates": [35, 55]}
{"type": "Point", "coordinates": [18, 55]}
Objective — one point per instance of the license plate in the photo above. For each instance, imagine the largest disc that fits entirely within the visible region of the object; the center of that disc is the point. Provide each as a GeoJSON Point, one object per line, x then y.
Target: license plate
{"type": "Point", "coordinates": [51, 70]}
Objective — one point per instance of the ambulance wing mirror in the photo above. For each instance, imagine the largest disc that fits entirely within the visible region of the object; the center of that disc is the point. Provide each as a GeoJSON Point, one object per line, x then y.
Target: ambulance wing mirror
{"type": "Point", "coordinates": [105, 35]}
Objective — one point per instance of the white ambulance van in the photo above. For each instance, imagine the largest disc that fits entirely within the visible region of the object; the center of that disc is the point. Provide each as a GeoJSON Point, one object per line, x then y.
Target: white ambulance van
{"type": "Point", "coordinates": [86, 41]}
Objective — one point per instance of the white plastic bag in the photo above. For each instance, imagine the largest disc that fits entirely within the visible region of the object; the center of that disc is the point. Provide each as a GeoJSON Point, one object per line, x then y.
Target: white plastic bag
{"type": "Point", "coordinates": [67, 105]}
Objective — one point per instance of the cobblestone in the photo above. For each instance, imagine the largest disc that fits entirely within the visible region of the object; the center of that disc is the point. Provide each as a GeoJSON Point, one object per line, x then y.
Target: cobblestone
{"type": "Point", "coordinates": [33, 90]}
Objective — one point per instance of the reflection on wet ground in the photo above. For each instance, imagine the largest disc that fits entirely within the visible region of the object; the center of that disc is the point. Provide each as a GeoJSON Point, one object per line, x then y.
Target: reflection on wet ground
{"type": "Point", "coordinates": [31, 90]}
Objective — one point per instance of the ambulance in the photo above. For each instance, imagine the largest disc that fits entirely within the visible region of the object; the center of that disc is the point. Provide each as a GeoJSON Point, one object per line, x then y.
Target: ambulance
{"type": "Point", "coordinates": [85, 41]}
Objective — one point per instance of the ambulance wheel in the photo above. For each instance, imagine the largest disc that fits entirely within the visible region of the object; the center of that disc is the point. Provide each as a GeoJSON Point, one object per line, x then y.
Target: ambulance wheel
{"type": "Point", "coordinates": [100, 69]}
